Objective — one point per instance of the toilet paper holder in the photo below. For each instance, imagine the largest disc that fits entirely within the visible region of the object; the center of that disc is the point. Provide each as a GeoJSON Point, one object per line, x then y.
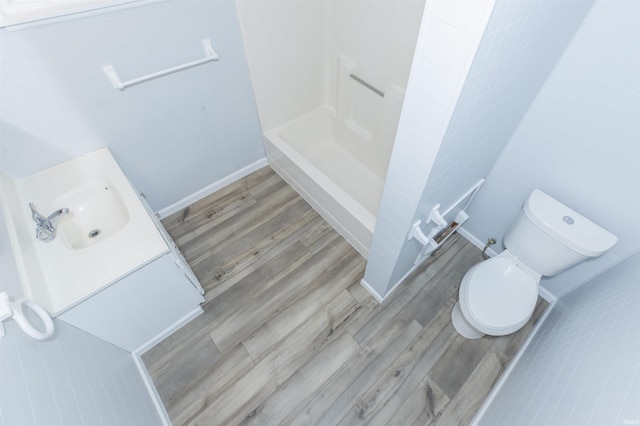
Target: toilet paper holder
{"type": "Point", "coordinates": [441, 229]}
{"type": "Point", "coordinates": [438, 233]}
{"type": "Point", "coordinates": [15, 310]}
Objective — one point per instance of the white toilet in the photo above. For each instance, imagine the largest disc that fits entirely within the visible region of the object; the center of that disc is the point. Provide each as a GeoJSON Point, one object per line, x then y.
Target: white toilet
{"type": "Point", "coordinates": [497, 296]}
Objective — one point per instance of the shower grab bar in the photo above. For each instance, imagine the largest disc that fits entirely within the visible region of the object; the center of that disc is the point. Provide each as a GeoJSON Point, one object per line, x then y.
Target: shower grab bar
{"type": "Point", "coordinates": [367, 85]}
{"type": "Point", "coordinates": [114, 78]}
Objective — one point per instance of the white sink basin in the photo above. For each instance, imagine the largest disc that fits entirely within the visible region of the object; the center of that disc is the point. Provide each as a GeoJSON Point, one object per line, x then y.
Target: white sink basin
{"type": "Point", "coordinates": [107, 234]}
{"type": "Point", "coordinates": [96, 212]}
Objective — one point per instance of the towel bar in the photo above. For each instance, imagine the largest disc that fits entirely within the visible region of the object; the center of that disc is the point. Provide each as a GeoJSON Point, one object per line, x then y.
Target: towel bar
{"type": "Point", "coordinates": [114, 78]}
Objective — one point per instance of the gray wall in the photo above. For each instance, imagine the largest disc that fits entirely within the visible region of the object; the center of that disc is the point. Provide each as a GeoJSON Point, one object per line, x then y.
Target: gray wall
{"type": "Point", "coordinates": [73, 378]}
{"type": "Point", "coordinates": [579, 141]}
{"type": "Point", "coordinates": [582, 366]}
{"type": "Point", "coordinates": [172, 136]}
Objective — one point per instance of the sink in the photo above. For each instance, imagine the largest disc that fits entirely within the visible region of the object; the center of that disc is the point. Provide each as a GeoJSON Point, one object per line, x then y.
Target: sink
{"type": "Point", "coordinates": [107, 235]}
{"type": "Point", "coordinates": [96, 212]}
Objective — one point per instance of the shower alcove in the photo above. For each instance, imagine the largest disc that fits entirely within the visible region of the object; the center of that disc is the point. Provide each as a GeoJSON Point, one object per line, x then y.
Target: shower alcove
{"type": "Point", "coordinates": [329, 79]}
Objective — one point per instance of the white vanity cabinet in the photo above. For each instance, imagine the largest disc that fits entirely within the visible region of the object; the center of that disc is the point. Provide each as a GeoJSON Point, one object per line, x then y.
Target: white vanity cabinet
{"type": "Point", "coordinates": [140, 307]}
{"type": "Point", "coordinates": [112, 270]}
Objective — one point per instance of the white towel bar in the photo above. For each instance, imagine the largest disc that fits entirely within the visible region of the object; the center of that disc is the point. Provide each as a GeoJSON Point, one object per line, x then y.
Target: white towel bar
{"type": "Point", "coordinates": [114, 78]}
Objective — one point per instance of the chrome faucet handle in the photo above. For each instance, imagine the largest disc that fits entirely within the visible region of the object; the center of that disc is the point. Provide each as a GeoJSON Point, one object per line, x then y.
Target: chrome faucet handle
{"type": "Point", "coordinates": [58, 214]}
{"type": "Point", "coordinates": [45, 228]}
{"type": "Point", "coordinates": [36, 216]}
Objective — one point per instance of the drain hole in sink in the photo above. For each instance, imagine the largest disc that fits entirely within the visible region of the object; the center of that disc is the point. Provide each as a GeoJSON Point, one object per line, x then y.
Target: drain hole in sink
{"type": "Point", "coordinates": [94, 233]}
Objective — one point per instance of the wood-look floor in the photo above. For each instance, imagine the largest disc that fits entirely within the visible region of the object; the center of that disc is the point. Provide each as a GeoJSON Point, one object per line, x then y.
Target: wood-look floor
{"type": "Point", "coordinates": [289, 336]}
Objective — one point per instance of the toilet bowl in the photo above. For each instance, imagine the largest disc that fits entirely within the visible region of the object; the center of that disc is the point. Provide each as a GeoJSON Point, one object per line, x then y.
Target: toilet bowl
{"type": "Point", "coordinates": [498, 296]}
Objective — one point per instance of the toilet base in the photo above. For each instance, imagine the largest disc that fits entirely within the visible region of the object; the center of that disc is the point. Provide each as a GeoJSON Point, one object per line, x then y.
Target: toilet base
{"type": "Point", "coordinates": [462, 326]}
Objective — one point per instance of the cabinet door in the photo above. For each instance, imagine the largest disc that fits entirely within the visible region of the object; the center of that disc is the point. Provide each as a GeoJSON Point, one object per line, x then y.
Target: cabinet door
{"type": "Point", "coordinates": [176, 254]}
{"type": "Point", "coordinates": [139, 307]}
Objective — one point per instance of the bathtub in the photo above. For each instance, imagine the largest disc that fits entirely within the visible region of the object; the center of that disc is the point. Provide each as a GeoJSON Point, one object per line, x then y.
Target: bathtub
{"type": "Point", "coordinates": [338, 172]}
{"type": "Point", "coordinates": [336, 156]}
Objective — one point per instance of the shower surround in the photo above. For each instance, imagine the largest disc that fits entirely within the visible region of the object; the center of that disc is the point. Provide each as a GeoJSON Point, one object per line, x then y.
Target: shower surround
{"type": "Point", "coordinates": [329, 105]}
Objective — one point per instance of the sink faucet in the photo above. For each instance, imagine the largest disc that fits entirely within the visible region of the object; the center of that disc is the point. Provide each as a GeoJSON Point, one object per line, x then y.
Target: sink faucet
{"type": "Point", "coordinates": [45, 225]}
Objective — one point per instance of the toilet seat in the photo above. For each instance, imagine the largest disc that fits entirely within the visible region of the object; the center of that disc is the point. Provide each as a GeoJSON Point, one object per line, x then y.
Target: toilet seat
{"type": "Point", "coordinates": [498, 296]}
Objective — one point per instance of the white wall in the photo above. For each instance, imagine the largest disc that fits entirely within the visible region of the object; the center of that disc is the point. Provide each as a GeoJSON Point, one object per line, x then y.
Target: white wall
{"type": "Point", "coordinates": [378, 36]}
{"type": "Point", "coordinates": [9, 276]}
{"type": "Point", "coordinates": [73, 378]}
{"type": "Point", "coordinates": [172, 136]}
{"type": "Point", "coordinates": [449, 136]}
{"type": "Point", "coordinates": [582, 366]}
{"type": "Point", "coordinates": [579, 141]}
{"type": "Point", "coordinates": [293, 47]}
{"type": "Point", "coordinates": [286, 43]}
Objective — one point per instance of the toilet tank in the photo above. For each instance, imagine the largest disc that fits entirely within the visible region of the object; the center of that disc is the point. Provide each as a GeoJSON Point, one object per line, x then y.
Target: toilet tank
{"type": "Point", "coordinates": [549, 237]}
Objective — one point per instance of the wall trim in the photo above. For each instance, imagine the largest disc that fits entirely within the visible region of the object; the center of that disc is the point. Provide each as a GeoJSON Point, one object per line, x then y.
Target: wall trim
{"type": "Point", "coordinates": [210, 189]}
{"type": "Point", "coordinates": [381, 299]}
{"type": "Point", "coordinates": [142, 369]}
{"type": "Point", "coordinates": [371, 291]}
{"type": "Point", "coordinates": [404, 277]}
{"type": "Point", "coordinates": [151, 388]}
{"type": "Point", "coordinates": [168, 331]}
{"type": "Point", "coordinates": [514, 361]}
{"type": "Point", "coordinates": [547, 295]}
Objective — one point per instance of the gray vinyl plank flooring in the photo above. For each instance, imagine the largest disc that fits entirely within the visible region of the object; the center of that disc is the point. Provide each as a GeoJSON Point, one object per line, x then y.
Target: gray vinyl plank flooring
{"type": "Point", "coordinates": [289, 336]}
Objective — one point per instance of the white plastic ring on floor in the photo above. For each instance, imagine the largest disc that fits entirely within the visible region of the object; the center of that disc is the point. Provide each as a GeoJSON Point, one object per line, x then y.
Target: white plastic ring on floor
{"type": "Point", "coordinates": [18, 315]}
{"type": "Point", "coordinates": [16, 309]}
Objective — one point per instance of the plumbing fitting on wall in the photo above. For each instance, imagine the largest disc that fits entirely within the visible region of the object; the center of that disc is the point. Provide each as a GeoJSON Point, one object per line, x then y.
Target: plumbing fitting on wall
{"type": "Point", "coordinates": [491, 241]}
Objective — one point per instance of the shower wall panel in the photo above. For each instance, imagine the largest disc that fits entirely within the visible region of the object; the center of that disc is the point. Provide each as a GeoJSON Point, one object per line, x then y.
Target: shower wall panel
{"type": "Point", "coordinates": [285, 42]}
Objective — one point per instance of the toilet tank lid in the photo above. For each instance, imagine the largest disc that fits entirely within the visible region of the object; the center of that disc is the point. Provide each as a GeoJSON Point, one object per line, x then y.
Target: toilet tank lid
{"type": "Point", "coordinates": [567, 226]}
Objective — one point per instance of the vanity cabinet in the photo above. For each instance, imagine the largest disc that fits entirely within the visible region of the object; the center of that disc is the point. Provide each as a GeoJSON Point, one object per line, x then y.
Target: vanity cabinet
{"type": "Point", "coordinates": [112, 270]}
{"type": "Point", "coordinates": [140, 307]}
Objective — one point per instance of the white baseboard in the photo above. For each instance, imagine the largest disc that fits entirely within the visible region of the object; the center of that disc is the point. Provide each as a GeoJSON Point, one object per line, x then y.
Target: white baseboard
{"type": "Point", "coordinates": [381, 299]}
{"type": "Point", "coordinates": [371, 291]}
{"type": "Point", "coordinates": [512, 364]}
{"type": "Point", "coordinates": [210, 189]}
{"type": "Point", "coordinates": [146, 378]}
{"type": "Point", "coordinates": [169, 331]}
{"type": "Point", "coordinates": [401, 280]}
{"type": "Point", "coordinates": [151, 388]}
{"type": "Point", "coordinates": [547, 295]}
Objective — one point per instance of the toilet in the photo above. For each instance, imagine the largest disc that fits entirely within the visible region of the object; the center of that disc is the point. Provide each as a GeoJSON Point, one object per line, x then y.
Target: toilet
{"type": "Point", "coordinates": [498, 296]}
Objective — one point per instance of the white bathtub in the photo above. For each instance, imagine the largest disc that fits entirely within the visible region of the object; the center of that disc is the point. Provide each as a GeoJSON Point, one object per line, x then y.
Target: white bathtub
{"type": "Point", "coordinates": [340, 174]}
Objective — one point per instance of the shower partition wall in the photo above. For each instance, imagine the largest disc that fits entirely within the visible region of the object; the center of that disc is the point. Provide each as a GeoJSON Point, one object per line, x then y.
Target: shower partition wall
{"type": "Point", "coordinates": [330, 105]}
